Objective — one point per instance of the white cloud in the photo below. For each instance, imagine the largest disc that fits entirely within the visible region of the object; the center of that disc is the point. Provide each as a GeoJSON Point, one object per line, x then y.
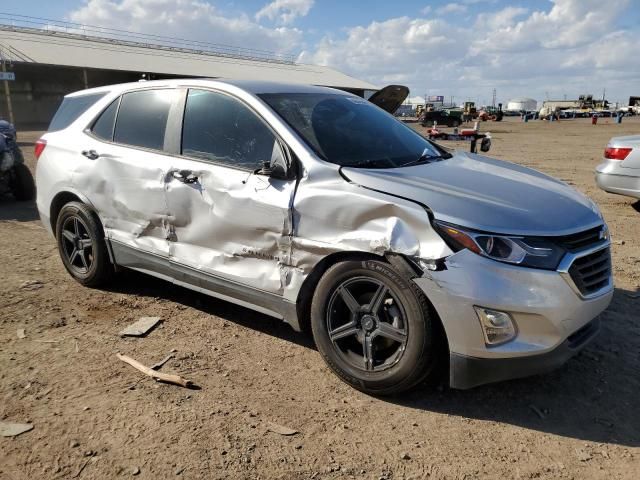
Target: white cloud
{"type": "Point", "coordinates": [571, 48]}
{"type": "Point", "coordinates": [426, 10]}
{"type": "Point", "coordinates": [396, 50]}
{"type": "Point", "coordinates": [569, 24]}
{"type": "Point", "coordinates": [285, 11]}
{"type": "Point", "coordinates": [451, 8]}
{"type": "Point", "coordinates": [497, 20]}
{"type": "Point", "coordinates": [187, 19]}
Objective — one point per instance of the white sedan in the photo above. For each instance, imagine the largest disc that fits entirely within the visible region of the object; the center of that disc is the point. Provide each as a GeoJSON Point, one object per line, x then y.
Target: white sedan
{"type": "Point", "coordinates": [620, 171]}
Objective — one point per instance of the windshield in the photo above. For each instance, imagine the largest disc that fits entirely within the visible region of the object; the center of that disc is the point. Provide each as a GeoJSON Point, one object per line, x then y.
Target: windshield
{"type": "Point", "coordinates": [352, 132]}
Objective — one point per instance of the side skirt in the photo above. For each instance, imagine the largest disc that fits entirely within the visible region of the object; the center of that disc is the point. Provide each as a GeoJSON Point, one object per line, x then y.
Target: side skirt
{"type": "Point", "coordinates": [193, 279]}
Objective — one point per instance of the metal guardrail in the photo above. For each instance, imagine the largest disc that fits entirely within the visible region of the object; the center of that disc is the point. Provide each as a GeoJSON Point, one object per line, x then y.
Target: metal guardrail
{"type": "Point", "coordinates": [44, 26]}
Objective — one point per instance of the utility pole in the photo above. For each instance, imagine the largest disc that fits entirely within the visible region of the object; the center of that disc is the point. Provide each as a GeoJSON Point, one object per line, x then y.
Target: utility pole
{"type": "Point", "coordinates": [7, 92]}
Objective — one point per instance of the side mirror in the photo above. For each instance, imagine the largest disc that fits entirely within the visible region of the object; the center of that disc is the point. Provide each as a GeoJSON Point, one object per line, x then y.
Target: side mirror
{"type": "Point", "coordinates": [278, 166]}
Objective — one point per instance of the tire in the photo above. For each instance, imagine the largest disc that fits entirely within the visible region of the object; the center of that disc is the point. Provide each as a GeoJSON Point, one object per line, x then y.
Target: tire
{"type": "Point", "coordinates": [342, 325]}
{"type": "Point", "coordinates": [23, 186]}
{"type": "Point", "coordinates": [78, 229]}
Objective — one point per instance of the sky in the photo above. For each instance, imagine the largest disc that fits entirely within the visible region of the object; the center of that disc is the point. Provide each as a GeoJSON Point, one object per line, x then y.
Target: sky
{"type": "Point", "coordinates": [463, 49]}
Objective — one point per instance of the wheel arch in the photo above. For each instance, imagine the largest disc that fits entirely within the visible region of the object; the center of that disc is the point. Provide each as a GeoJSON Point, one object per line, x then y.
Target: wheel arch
{"type": "Point", "coordinates": [404, 265]}
{"type": "Point", "coordinates": [305, 295]}
{"type": "Point", "coordinates": [60, 199]}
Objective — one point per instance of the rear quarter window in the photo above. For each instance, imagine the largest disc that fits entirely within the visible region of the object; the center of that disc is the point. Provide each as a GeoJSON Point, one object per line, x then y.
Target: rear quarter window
{"type": "Point", "coordinates": [104, 125]}
{"type": "Point", "coordinates": [71, 108]}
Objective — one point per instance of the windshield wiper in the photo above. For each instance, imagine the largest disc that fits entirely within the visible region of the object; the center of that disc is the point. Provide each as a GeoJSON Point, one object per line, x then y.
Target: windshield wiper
{"type": "Point", "coordinates": [426, 157]}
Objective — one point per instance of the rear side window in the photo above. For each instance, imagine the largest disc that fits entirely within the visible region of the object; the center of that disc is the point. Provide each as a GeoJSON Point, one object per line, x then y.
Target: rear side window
{"type": "Point", "coordinates": [71, 108]}
{"type": "Point", "coordinates": [142, 118]}
{"type": "Point", "coordinates": [221, 129]}
{"type": "Point", "coordinates": [104, 125]}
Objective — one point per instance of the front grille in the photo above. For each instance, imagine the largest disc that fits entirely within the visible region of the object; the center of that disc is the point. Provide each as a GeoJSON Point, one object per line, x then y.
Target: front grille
{"type": "Point", "coordinates": [579, 241]}
{"type": "Point", "coordinates": [592, 272]}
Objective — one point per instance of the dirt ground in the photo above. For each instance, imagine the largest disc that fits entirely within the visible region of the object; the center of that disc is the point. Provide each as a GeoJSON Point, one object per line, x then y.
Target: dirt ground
{"type": "Point", "coordinates": [96, 418]}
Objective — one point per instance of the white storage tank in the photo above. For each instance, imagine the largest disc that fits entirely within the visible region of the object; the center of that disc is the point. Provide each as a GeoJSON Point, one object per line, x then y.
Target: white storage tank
{"type": "Point", "coordinates": [519, 104]}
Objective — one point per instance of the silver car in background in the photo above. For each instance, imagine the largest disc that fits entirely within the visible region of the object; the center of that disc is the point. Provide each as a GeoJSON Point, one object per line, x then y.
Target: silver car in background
{"type": "Point", "coordinates": [620, 170]}
{"type": "Point", "coordinates": [320, 208]}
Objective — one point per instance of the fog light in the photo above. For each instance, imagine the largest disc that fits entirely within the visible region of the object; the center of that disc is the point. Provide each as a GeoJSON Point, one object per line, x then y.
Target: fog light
{"type": "Point", "coordinates": [497, 327]}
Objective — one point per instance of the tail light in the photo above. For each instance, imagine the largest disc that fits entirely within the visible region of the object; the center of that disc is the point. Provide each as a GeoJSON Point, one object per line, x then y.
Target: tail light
{"type": "Point", "coordinates": [39, 148]}
{"type": "Point", "coordinates": [616, 153]}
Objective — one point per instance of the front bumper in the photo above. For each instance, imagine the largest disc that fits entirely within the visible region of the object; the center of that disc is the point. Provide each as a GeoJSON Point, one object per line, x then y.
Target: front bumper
{"type": "Point", "coordinates": [545, 308]}
{"type": "Point", "coordinates": [613, 178]}
{"type": "Point", "coordinates": [468, 372]}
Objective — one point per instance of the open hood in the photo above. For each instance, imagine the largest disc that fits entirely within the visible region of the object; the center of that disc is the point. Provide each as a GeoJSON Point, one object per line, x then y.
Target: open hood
{"type": "Point", "coordinates": [390, 97]}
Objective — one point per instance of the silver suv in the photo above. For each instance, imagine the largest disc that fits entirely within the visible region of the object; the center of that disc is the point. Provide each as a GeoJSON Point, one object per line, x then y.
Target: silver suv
{"type": "Point", "coordinates": [318, 207]}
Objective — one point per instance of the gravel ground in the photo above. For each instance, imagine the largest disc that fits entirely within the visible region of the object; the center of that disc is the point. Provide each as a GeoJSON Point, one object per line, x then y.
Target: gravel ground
{"type": "Point", "coordinates": [95, 417]}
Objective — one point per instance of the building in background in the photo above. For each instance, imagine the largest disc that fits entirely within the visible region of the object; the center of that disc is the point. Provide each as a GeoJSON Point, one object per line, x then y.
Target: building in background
{"type": "Point", "coordinates": [43, 61]}
{"type": "Point", "coordinates": [522, 104]}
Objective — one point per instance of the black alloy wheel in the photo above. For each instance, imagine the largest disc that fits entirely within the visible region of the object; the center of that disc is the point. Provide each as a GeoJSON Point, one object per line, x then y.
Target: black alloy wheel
{"type": "Point", "coordinates": [77, 244]}
{"type": "Point", "coordinates": [367, 324]}
{"type": "Point", "coordinates": [375, 328]}
{"type": "Point", "coordinates": [82, 246]}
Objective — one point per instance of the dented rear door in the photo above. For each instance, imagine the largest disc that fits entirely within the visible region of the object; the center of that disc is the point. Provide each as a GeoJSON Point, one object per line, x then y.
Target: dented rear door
{"type": "Point", "coordinates": [226, 221]}
{"type": "Point", "coordinates": [124, 176]}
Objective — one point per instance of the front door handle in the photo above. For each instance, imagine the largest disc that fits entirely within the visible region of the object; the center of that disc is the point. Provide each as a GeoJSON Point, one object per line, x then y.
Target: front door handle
{"type": "Point", "coordinates": [91, 154]}
{"type": "Point", "coordinates": [184, 176]}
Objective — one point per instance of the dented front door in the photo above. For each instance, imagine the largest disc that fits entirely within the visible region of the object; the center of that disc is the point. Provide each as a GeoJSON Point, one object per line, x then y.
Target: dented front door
{"type": "Point", "coordinates": [230, 224]}
{"type": "Point", "coordinates": [226, 221]}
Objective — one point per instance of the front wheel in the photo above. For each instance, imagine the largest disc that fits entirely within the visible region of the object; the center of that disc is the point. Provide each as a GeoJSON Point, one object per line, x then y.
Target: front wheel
{"type": "Point", "coordinates": [373, 327]}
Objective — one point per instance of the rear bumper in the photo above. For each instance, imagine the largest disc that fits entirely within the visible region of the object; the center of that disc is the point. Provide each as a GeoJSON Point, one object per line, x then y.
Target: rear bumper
{"type": "Point", "coordinates": [613, 178]}
{"type": "Point", "coordinates": [468, 372]}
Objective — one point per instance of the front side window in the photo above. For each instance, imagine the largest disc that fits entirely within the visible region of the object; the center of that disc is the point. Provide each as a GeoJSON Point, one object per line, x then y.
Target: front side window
{"type": "Point", "coordinates": [71, 109]}
{"type": "Point", "coordinates": [352, 132]}
{"type": "Point", "coordinates": [221, 129]}
{"type": "Point", "coordinates": [142, 118]}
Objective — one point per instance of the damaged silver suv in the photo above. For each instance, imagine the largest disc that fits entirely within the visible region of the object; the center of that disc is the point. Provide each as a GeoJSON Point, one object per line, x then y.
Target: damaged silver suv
{"type": "Point", "coordinates": [318, 207]}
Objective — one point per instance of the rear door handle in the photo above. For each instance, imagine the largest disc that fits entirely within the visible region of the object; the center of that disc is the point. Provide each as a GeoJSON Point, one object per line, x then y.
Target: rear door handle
{"type": "Point", "coordinates": [91, 154]}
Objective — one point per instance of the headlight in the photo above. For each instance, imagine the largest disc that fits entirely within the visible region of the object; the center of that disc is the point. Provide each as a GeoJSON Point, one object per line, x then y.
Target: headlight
{"type": "Point", "coordinates": [532, 252]}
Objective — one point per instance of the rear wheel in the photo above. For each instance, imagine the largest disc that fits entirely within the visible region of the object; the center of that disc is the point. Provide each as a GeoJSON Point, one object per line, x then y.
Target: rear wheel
{"type": "Point", "coordinates": [373, 327]}
{"type": "Point", "coordinates": [23, 186]}
{"type": "Point", "coordinates": [82, 246]}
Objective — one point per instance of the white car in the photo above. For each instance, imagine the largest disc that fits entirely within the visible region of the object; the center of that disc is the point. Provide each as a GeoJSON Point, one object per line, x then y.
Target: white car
{"type": "Point", "coordinates": [620, 171]}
